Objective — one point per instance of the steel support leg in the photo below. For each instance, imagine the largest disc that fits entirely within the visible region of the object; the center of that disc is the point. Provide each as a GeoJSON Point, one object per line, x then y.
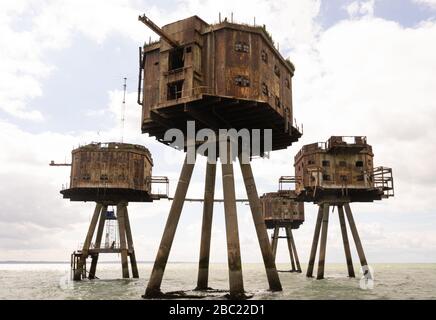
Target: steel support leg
{"type": "Point", "coordinates": [133, 264]}
{"type": "Point", "coordinates": [290, 239]}
{"type": "Point", "coordinates": [82, 261]}
{"type": "Point", "coordinates": [121, 217]}
{"type": "Point", "coordinates": [315, 240]}
{"type": "Point", "coordinates": [323, 241]}
{"type": "Point", "coordinates": [98, 238]}
{"type": "Point", "coordinates": [153, 287]}
{"type": "Point", "coordinates": [346, 242]}
{"type": "Point", "coordinates": [259, 223]}
{"type": "Point", "coordinates": [206, 229]}
{"type": "Point", "coordinates": [232, 233]}
{"type": "Point", "coordinates": [356, 237]}
{"type": "Point", "coordinates": [294, 250]}
{"type": "Point", "coordinates": [274, 241]}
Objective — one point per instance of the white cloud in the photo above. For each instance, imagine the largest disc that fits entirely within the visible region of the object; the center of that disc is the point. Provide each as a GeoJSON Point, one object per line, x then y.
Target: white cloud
{"type": "Point", "coordinates": [428, 3]}
{"type": "Point", "coordinates": [361, 8]}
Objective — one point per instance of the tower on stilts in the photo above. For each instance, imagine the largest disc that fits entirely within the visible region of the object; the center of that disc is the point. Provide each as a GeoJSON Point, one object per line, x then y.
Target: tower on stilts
{"type": "Point", "coordinates": [332, 175]}
{"type": "Point", "coordinates": [218, 77]}
{"type": "Point", "coordinates": [111, 175]}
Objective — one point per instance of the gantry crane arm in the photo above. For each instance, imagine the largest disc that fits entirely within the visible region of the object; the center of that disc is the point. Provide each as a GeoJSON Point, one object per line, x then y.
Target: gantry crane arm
{"type": "Point", "coordinates": [158, 30]}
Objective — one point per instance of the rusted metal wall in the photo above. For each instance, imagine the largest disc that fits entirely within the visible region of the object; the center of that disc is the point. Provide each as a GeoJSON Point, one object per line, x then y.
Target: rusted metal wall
{"type": "Point", "coordinates": [281, 209]}
{"type": "Point", "coordinates": [215, 57]}
{"type": "Point", "coordinates": [112, 165]}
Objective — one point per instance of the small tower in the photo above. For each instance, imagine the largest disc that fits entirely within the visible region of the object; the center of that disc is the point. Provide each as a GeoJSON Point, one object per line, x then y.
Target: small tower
{"type": "Point", "coordinates": [110, 174]}
{"type": "Point", "coordinates": [334, 174]}
{"type": "Point", "coordinates": [281, 211]}
{"type": "Point", "coordinates": [218, 76]}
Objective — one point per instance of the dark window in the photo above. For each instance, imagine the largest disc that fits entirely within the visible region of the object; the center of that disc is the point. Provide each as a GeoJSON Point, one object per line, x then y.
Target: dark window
{"type": "Point", "coordinates": [310, 162]}
{"type": "Point", "coordinates": [287, 83]}
{"type": "Point", "coordinates": [188, 49]}
{"type": "Point", "coordinates": [342, 164]}
{"type": "Point", "coordinates": [104, 177]}
{"type": "Point", "coordinates": [278, 104]}
{"type": "Point", "coordinates": [242, 81]}
{"type": "Point", "coordinates": [344, 178]}
{"type": "Point", "coordinates": [326, 163]}
{"type": "Point", "coordinates": [264, 56]}
{"type": "Point", "coordinates": [86, 177]}
{"type": "Point", "coordinates": [326, 177]}
{"type": "Point", "coordinates": [174, 90]}
{"type": "Point", "coordinates": [359, 177]}
{"type": "Point", "coordinates": [359, 164]}
{"type": "Point", "coordinates": [242, 47]}
{"type": "Point", "coordinates": [265, 89]}
{"type": "Point", "coordinates": [176, 59]}
{"type": "Point", "coordinates": [277, 70]}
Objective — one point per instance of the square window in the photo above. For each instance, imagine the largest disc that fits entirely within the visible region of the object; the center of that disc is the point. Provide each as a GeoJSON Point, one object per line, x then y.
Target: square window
{"type": "Point", "coordinates": [174, 90]}
{"type": "Point", "coordinates": [359, 164]}
{"type": "Point", "coordinates": [326, 177]}
{"type": "Point", "coordinates": [326, 163]}
{"type": "Point", "coordinates": [176, 59]}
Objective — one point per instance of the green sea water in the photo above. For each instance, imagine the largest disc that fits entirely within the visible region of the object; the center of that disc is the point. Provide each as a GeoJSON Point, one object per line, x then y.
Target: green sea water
{"type": "Point", "coordinates": [51, 281]}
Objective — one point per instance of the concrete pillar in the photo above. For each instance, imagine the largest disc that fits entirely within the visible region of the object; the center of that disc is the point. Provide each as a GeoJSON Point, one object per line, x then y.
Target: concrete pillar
{"type": "Point", "coordinates": [153, 287]}
{"type": "Point", "coordinates": [291, 247]}
{"type": "Point", "coordinates": [315, 240]}
{"type": "Point", "coordinates": [355, 234]}
{"type": "Point", "coordinates": [121, 211]}
{"type": "Point", "coordinates": [231, 219]}
{"type": "Point", "coordinates": [87, 243]}
{"type": "Point", "coordinates": [206, 229]}
{"type": "Point", "coordinates": [133, 264]}
{"type": "Point", "coordinates": [346, 242]}
{"type": "Point", "coordinates": [98, 238]}
{"type": "Point", "coordinates": [323, 241]}
{"type": "Point", "coordinates": [274, 241]}
{"type": "Point", "coordinates": [259, 223]}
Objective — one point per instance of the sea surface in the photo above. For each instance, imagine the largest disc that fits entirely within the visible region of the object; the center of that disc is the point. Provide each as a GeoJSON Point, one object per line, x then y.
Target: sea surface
{"type": "Point", "coordinates": [52, 281]}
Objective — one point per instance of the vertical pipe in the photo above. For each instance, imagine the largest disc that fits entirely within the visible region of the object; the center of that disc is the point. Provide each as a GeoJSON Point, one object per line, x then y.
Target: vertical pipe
{"type": "Point", "coordinates": [153, 287]}
{"type": "Point", "coordinates": [98, 237]}
{"type": "Point", "coordinates": [206, 228]}
{"type": "Point", "coordinates": [355, 234]}
{"type": "Point", "coordinates": [315, 240]}
{"type": "Point", "coordinates": [274, 241]}
{"type": "Point", "coordinates": [290, 239]}
{"type": "Point", "coordinates": [232, 234]}
{"type": "Point", "coordinates": [259, 224]}
{"type": "Point", "coordinates": [82, 261]}
{"type": "Point", "coordinates": [346, 242]}
{"type": "Point", "coordinates": [323, 241]}
{"type": "Point", "coordinates": [131, 249]}
{"type": "Point", "coordinates": [121, 217]}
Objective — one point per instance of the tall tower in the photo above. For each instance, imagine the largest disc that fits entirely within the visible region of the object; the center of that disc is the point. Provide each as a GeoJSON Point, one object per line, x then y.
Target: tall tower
{"type": "Point", "coordinates": [109, 174]}
{"type": "Point", "coordinates": [220, 76]}
{"type": "Point", "coordinates": [332, 175]}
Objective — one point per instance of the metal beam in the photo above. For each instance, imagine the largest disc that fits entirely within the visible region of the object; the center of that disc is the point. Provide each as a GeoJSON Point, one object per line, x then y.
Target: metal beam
{"type": "Point", "coordinates": [315, 240]}
{"type": "Point", "coordinates": [206, 228]}
{"type": "Point", "coordinates": [259, 224]}
{"type": "Point", "coordinates": [153, 287]}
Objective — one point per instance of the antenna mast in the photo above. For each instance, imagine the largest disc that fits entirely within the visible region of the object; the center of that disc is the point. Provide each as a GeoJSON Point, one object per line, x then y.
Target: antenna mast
{"type": "Point", "coordinates": [123, 110]}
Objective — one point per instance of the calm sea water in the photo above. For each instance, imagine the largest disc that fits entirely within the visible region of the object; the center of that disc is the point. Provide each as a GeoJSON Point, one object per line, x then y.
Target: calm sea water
{"type": "Point", "coordinates": [51, 281]}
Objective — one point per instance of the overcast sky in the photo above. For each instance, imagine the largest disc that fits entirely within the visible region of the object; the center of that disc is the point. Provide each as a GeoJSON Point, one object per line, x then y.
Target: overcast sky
{"type": "Point", "coordinates": [362, 68]}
